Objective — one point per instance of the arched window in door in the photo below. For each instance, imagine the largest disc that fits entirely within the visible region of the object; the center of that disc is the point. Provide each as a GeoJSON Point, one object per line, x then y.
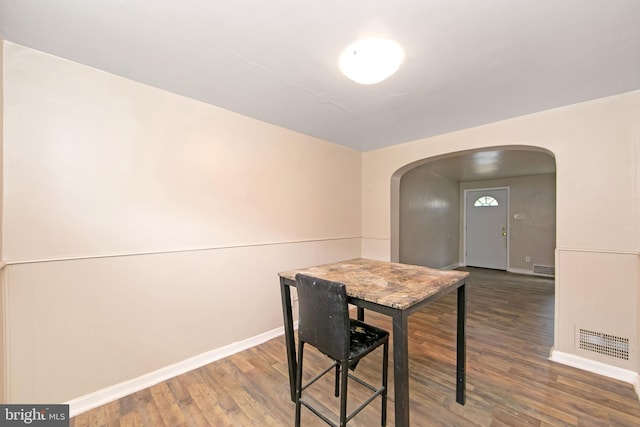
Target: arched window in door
{"type": "Point", "coordinates": [485, 201]}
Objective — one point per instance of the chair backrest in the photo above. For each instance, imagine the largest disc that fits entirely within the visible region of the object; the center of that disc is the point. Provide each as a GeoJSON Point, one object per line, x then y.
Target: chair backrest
{"type": "Point", "coordinates": [323, 315]}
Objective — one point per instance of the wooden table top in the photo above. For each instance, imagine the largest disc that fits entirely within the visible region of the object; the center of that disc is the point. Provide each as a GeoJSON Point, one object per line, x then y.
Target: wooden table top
{"type": "Point", "coordinates": [390, 284]}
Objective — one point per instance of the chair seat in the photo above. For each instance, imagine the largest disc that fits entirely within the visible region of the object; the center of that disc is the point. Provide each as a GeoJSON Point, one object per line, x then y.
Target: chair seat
{"type": "Point", "coordinates": [364, 338]}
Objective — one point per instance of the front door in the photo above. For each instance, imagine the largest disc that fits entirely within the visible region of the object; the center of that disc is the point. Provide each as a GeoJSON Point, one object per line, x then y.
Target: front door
{"type": "Point", "coordinates": [486, 228]}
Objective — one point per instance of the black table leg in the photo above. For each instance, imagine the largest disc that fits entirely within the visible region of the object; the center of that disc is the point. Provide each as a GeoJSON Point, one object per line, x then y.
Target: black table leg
{"type": "Point", "coordinates": [361, 314]}
{"type": "Point", "coordinates": [461, 346]}
{"type": "Point", "coordinates": [401, 367]}
{"type": "Point", "coordinates": [289, 338]}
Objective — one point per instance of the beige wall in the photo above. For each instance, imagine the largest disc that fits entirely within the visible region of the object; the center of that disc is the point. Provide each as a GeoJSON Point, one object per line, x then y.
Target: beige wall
{"type": "Point", "coordinates": [2, 263]}
{"type": "Point", "coordinates": [120, 168]}
{"type": "Point", "coordinates": [429, 220]}
{"type": "Point", "coordinates": [533, 233]}
{"type": "Point", "coordinates": [596, 145]}
{"type": "Point", "coordinates": [143, 228]}
{"type": "Point", "coordinates": [81, 325]}
{"type": "Point", "coordinates": [601, 296]}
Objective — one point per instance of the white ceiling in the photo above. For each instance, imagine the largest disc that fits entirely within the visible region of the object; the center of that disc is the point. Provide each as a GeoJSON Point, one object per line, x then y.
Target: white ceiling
{"type": "Point", "coordinates": [486, 164]}
{"type": "Point", "coordinates": [468, 62]}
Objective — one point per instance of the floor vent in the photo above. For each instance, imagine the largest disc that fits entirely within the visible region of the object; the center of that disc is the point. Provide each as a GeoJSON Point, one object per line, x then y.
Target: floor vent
{"type": "Point", "coordinates": [544, 270]}
{"type": "Point", "coordinates": [606, 344]}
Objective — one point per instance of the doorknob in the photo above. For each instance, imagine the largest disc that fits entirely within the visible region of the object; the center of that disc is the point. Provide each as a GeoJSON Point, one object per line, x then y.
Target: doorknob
{"type": "Point", "coordinates": [504, 232]}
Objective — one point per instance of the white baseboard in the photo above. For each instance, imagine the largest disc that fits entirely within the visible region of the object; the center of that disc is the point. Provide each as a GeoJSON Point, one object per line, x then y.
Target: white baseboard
{"type": "Point", "coordinates": [528, 272]}
{"type": "Point", "coordinates": [520, 271]}
{"type": "Point", "coordinates": [117, 391]}
{"type": "Point", "coordinates": [510, 270]}
{"type": "Point", "coordinates": [452, 266]}
{"type": "Point", "coordinates": [596, 367]}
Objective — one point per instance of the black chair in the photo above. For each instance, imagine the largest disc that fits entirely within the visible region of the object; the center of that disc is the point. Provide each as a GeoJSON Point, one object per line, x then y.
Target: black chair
{"type": "Point", "coordinates": [324, 323]}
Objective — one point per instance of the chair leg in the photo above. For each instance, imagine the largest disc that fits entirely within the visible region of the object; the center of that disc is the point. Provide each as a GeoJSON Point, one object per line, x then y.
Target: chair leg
{"type": "Point", "coordinates": [343, 390]}
{"type": "Point", "coordinates": [385, 372]}
{"type": "Point", "coordinates": [299, 383]}
{"type": "Point", "coordinates": [337, 392]}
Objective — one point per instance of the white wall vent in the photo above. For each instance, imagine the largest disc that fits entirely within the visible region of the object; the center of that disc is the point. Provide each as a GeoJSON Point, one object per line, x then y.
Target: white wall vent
{"type": "Point", "coordinates": [544, 270]}
{"type": "Point", "coordinates": [606, 344]}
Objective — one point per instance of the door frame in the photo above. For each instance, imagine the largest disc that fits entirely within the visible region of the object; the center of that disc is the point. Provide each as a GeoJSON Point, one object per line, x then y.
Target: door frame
{"type": "Point", "coordinates": [464, 222]}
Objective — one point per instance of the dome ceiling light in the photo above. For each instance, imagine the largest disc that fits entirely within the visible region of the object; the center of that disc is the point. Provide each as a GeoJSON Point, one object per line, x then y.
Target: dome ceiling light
{"type": "Point", "coordinates": [370, 61]}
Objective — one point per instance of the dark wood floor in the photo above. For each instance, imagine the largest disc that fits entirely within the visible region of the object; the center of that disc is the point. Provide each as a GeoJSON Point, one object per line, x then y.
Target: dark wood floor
{"type": "Point", "coordinates": [510, 382]}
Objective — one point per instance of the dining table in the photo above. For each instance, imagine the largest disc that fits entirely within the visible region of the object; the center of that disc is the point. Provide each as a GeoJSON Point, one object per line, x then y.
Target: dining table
{"type": "Point", "coordinates": [393, 289]}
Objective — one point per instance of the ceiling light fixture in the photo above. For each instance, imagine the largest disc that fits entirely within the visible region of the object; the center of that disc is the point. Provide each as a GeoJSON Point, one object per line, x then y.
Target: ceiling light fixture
{"type": "Point", "coordinates": [370, 61]}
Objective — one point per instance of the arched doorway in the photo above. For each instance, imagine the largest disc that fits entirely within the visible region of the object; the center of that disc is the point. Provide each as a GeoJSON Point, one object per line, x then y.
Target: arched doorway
{"type": "Point", "coordinates": [427, 206]}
